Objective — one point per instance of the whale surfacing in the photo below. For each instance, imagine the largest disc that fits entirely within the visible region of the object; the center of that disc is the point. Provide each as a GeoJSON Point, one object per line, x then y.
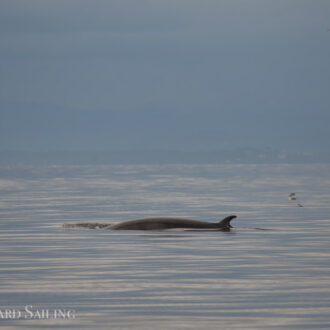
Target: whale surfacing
{"type": "Point", "coordinates": [172, 223]}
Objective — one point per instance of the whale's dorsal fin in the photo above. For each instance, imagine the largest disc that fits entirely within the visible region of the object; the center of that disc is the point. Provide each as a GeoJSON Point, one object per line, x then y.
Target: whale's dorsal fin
{"type": "Point", "coordinates": [225, 223]}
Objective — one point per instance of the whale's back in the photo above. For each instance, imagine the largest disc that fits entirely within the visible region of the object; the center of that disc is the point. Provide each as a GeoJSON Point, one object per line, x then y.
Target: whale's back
{"type": "Point", "coordinates": [170, 223]}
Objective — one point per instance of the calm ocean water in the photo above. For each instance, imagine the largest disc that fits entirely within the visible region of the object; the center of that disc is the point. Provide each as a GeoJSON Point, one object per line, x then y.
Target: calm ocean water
{"type": "Point", "coordinates": [247, 279]}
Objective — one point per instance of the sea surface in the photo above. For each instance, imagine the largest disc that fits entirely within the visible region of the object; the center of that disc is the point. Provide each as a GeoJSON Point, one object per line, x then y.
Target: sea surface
{"type": "Point", "coordinates": [272, 271]}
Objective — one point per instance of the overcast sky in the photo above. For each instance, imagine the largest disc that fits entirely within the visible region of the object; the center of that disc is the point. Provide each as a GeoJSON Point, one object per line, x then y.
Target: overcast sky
{"type": "Point", "coordinates": [164, 74]}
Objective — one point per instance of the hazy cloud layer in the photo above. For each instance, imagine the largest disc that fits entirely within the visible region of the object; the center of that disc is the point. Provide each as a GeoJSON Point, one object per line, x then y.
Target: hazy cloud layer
{"type": "Point", "coordinates": [164, 74]}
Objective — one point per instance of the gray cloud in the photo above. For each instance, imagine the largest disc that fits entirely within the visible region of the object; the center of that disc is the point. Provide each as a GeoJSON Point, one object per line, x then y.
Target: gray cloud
{"type": "Point", "coordinates": [183, 72]}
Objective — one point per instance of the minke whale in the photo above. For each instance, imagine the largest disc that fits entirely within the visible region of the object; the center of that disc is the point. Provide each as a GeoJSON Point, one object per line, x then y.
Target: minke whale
{"type": "Point", "coordinates": [161, 223]}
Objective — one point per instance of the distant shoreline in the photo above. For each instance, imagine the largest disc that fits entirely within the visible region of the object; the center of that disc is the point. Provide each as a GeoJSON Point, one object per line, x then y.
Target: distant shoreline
{"type": "Point", "coordinates": [236, 156]}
